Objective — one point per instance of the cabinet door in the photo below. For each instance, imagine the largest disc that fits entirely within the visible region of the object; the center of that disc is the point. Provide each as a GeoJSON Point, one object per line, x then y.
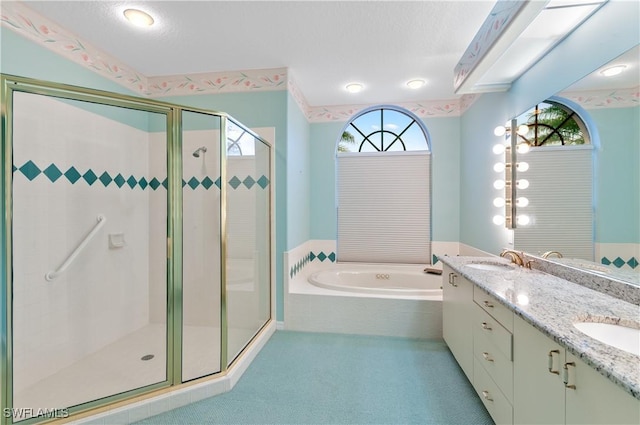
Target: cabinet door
{"type": "Point", "coordinates": [538, 394]}
{"type": "Point", "coordinates": [595, 399]}
{"type": "Point", "coordinates": [456, 319]}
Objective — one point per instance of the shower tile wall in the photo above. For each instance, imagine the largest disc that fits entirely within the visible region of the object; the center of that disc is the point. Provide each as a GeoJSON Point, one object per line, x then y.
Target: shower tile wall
{"type": "Point", "coordinates": [102, 167]}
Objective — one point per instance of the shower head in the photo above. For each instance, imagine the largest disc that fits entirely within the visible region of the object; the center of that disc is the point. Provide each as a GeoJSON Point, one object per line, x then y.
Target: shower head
{"type": "Point", "coordinates": [202, 149]}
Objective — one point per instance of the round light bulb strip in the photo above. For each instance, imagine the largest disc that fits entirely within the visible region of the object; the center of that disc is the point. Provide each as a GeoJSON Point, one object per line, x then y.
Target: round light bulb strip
{"type": "Point", "coordinates": [510, 184]}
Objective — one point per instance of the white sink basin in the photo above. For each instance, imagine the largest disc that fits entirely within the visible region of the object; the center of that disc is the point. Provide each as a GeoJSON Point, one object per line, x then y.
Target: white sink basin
{"type": "Point", "coordinates": [622, 337]}
{"type": "Point", "coordinates": [491, 266]}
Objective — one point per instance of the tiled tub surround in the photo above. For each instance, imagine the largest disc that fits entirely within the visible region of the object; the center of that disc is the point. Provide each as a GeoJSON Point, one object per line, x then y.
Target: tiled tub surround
{"type": "Point", "coordinates": [623, 284]}
{"type": "Point", "coordinates": [552, 306]}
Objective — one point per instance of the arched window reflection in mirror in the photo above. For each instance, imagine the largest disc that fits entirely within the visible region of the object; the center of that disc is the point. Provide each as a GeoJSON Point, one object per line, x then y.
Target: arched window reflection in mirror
{"type": "Point", "coordinates": [559, 169]}
{"type": "Point", "coordinates": [553, 124]}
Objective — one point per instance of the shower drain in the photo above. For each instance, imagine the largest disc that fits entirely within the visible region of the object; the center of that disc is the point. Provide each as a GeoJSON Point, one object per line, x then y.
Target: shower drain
{"type": "Point", "coordinates": [147, 357]}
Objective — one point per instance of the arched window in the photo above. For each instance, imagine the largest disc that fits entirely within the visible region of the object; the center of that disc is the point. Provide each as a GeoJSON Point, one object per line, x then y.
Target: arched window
{"type": "Point", "coordinates": [383, 188]}
{"type": "Point", "coordinates": [384, 129]}
{"type": "Point", "coordinates": [239, 141]}
{"type": "Point", "coordinates": [560, 176]}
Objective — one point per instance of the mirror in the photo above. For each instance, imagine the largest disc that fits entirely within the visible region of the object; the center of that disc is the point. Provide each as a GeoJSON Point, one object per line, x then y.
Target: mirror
{"type": "Point", "coordinates": [612, 117]}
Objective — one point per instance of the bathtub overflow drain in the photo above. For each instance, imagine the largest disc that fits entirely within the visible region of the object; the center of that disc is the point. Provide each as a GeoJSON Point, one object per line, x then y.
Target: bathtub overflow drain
{"type": "Point", "coordinates": [147, 357]}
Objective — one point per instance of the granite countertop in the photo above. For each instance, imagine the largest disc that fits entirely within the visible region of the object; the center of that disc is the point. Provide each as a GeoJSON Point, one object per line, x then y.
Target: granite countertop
{"type": "Point", "coordinates": [552, 305]}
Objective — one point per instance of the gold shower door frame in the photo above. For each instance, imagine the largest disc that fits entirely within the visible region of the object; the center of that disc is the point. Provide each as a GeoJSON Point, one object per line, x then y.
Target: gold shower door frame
{"type": "Point", "coordinates": [10, 84]}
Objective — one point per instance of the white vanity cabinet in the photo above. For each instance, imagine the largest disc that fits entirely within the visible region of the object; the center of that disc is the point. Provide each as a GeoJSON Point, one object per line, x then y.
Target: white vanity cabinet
{"type": "Point", "coordinates": [541, 396]}
{"type": "Point", "coordinates": [492, 326]}
{"type": "Point", "coordinates": [457, 310]}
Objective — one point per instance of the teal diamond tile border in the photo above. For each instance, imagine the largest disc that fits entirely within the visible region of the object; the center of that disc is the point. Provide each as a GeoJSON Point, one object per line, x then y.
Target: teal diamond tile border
{"type": "Point", "coordinates": [52, 172]}
{"type": "Point", "coordinates": [298, 266]}
{"type": "Point", "coordinates": [90, 177]}
{"type": "Point", "coordinates": [31, 171]}
{"type": "Point", "coordinates": [311, 256]}
{"type": "Point", "coordinates": [619, 262]}
{"type": "Point", "coordinates": [235, 182]}
{"type": "Point", "coordinates": [72, 175]}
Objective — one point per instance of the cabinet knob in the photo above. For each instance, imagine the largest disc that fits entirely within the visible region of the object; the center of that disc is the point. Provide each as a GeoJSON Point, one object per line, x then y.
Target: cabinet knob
{"type": "Point", "coordinates": [551, 367]}
{"type": "Point", "coordinates": [488, 304]}
{"type": "Point", "coordinates": [486, 395]}
{"type": "Point", "coordinates": [486, 326]}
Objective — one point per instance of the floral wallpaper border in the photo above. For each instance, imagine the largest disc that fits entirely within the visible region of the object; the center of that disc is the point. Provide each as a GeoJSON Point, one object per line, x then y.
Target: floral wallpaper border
{"type": "Point", "coordinates": [19, 18]}
{"type": "Point", "coordinates": [496, 23]}
{"type": "Point", "coordinates": [599, 99]}
{"type": "Point", "coordinates": [217, 82]}
{"type": "Point", "coordinates": [28, 23]}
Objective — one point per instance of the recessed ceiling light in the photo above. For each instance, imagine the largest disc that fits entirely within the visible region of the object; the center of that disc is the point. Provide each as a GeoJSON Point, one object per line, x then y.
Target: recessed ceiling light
{"type": "Point", "coordinates": [354, 87]}
{"type": "Point", "coordinates": [415, 84]}
{"type": "Point", "coordinates": [138, 17]}
{"type": "Point", "coordinates": [613, 70]}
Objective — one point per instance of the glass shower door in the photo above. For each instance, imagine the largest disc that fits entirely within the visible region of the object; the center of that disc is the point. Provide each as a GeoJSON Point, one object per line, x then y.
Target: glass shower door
{"type": "Point", "coordinates": [89, 254]}
{"type": "Point", "coordinates": [248, 237]}
{"type": "Point", "coordinates": [201, 321]}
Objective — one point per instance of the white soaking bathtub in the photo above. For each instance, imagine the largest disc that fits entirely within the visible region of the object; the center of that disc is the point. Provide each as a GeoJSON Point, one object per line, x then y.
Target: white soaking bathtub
{"type": "Point", "coordinates": [381, 281]}
{"type": "Point", "coordinates": [369, 299]}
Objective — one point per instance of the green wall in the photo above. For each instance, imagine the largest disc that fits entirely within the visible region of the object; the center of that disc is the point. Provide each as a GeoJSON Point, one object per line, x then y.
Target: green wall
{"type": "Point", "coordinates": [617, 175]}
{"type": "Point", "coordinates": [298, 173]}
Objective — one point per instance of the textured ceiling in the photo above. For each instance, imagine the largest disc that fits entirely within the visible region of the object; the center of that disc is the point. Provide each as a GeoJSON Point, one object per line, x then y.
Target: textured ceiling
{"type": "Point", "coordinates": [325, 44]}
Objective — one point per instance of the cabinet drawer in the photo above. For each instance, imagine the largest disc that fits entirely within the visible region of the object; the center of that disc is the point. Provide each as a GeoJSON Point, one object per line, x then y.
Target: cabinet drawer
{"type": "Point", "coordinates": [494, 308]}
{"type": "Point", "coordinates": [495, 333]}
{"type": "Point", "coordinates": [497, 365]}
{"type": "Point", "coordinates": [496, 403]}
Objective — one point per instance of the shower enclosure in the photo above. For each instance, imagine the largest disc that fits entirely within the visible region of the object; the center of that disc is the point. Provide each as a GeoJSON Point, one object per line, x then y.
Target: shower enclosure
{"type": "Point", "coordinates": [136, 246]}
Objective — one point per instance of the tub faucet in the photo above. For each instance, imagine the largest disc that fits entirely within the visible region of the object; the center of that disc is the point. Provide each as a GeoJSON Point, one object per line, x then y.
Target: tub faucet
{"type": "Point", "coordinates": [549, 253]}
{"type": "Point", "coordinates": [515, 257]}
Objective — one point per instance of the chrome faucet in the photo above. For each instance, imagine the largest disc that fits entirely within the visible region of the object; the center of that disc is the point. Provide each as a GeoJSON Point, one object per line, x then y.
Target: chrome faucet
{"type": "Point", "coordinates": [548, 253]}
{"type": "Point", "coordinates": [515, 257]}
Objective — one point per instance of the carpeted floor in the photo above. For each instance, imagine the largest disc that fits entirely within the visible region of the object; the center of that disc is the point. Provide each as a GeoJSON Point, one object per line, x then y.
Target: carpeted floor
{"type": "Point", "coordinates": [312, 378]}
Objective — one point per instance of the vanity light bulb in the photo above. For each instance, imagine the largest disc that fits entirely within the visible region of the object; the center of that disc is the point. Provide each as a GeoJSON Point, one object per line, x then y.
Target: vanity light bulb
{"type": "Point", "coordinates": [498, 167]}
{"type": "Point", "coordinates": [522, 202]}
{"type": "Point", "coordinates": [522, 166]}
{"type": "Point", "coordinates": [499, 130]}
{"type": "Point", "coordinates": [523, 147]}
{"type": "Point", "coordinates": [523, 220]}
{"type": "Point", "coordinates": [523, 129]}
{"type": "Point", "coordinates": [498, 149]}
{"type": "Point", "coordinates": [521, 184]}
{"type": "Point", "coordinates": [498, 184]}
{"type": "Point", "coordinates": [498, 220]}
{"type": "Point", "coordinates": [498, 202]}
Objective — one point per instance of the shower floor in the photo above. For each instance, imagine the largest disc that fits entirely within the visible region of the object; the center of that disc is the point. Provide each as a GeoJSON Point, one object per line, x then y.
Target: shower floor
{"type": "Point", "coordinates": [118, 367]}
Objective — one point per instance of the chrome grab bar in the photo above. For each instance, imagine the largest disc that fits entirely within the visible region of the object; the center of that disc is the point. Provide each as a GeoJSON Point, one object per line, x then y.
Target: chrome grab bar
{"type": "Point", "coordinates": [54, 274]}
